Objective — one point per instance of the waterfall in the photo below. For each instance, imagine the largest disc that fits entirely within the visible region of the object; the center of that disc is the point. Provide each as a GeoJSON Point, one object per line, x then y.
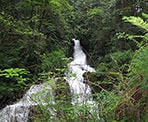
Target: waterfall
{"type": "Point", "coordinates": [19, 112]}
{"type": "Point", "coordinates": [36, 95]}
{"type": "Point", "coordinates": [81, 92]}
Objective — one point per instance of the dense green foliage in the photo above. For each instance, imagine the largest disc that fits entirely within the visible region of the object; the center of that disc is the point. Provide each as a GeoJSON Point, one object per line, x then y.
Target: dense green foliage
{"type": "Point", "coordinates": [35, 43]}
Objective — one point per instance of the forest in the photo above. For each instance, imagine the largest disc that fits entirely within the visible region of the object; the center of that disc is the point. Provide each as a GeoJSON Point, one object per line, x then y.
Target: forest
{"type": "Point", "coordinates": [36, 47]}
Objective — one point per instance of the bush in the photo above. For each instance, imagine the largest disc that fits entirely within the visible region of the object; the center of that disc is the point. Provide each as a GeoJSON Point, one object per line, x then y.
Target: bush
{"type": "Point", "coordinates": [54, 61]}
{"type": "Point", "coordinates": [12, 82]}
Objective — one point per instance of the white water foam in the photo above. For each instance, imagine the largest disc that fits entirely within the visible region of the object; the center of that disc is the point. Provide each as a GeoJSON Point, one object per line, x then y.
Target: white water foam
{"type": "Point", "coordinates": [80, 90]}
{"type": "Point", "coordinates": [19, 112]}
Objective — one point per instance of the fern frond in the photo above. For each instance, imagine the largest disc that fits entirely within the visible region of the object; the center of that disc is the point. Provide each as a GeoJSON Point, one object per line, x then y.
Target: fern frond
{"type": "Point", "coordinates": [138, 21]}
{"type": "Point", "coordinates": [145, 15]}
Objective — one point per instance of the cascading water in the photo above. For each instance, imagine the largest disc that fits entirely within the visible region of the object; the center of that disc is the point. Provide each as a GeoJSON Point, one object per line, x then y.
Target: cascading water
{"type": "Point", "coordinates": [81, 92]}
{"type": "Point", "coordinates": [19, 112]}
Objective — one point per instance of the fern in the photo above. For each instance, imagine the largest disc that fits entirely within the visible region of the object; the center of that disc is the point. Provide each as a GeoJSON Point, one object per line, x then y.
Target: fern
{"type": "Point", "coordinates": [145, 16]}
{"type": "Point", "coordinates": [138, 21]}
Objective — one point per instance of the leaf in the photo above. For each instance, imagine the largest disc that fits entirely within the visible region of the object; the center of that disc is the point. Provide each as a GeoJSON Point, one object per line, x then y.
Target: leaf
{"type": "Point", "coordinates": [145, 15]}
{"type": "Point", "coordinates": [138, 21]}
{"type": "Point", "coordinates": [94, 11]}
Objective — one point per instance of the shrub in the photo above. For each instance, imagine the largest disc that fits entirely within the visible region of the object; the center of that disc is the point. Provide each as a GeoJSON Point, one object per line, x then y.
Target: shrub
{"type": "Point", "coordinates": [54, 61]}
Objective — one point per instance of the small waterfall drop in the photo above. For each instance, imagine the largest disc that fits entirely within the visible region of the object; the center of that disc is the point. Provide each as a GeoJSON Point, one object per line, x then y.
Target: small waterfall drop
{"type": "Point", "coordinates": [81, 92]}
